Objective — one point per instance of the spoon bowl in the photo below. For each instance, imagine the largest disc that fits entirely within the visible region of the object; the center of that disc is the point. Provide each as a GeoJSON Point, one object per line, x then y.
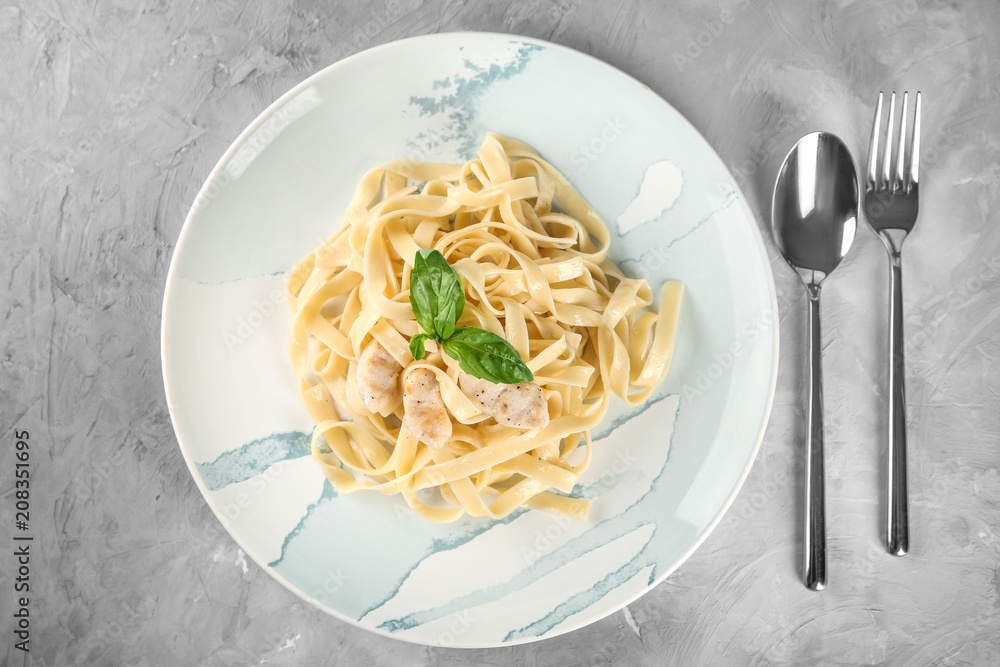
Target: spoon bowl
{"type": "Point", "coordinates": [815, 208]}
{"type": "Point", "coordinates": [814, 217]}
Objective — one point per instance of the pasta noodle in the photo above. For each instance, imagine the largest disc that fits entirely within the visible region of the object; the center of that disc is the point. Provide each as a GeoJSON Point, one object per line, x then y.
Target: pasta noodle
{"type": "Point", "coordinates": [532, 255]}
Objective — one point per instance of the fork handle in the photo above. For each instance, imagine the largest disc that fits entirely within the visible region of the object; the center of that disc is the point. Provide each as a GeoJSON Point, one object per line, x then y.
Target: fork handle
{"type": "Point", "coordinates": [897, 535]}
{"type": "Point", "coordinates": [814, 546]}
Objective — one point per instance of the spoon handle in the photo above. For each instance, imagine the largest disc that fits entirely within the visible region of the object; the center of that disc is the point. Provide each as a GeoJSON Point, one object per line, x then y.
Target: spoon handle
{"type": "Point", "coordinates": [815, 533]}
{"type": "Point", "coordinates": [897, 535]}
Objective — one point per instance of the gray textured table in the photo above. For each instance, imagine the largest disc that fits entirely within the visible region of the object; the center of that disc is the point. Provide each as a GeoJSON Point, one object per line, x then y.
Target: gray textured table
{"type": "Point", "coordinates": [111, 119]}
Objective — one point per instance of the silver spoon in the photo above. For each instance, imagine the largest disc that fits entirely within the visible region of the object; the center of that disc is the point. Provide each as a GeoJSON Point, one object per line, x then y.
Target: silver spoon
{"type": "Point", "coordinates": [814, 216]}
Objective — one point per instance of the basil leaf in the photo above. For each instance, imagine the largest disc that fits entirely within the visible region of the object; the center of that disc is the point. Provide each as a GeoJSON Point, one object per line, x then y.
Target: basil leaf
{"type": "Point", "coordinates": [436, 293]}
{"type": "Point", "coordinates": [417, 345]}
{"type": "Point", "coordinates": [487, 356]}
{"type": "Point", "coordinates": [438, 299]}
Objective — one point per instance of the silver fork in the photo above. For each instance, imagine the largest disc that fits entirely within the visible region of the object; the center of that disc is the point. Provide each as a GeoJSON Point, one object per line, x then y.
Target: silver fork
{"type": "Point", "coordinates": [890, 204]}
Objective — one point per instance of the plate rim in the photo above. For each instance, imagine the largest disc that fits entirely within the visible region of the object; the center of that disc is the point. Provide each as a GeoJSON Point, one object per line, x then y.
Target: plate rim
{"type": "Point", "coordinates": [240, 140]}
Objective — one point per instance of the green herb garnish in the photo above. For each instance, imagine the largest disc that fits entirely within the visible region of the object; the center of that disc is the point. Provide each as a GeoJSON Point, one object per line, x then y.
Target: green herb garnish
{"type": "Point", "coordinates": [438, 299]}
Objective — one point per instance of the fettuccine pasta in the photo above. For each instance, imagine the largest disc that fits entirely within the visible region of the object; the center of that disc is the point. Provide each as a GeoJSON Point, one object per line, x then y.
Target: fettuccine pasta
{"type": "Point", "coordinates": [532, 255]}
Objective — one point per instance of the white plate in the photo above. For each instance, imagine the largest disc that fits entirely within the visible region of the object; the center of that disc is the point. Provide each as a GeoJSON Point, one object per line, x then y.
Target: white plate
{"type": "Point", "coordinates": [663, 474]}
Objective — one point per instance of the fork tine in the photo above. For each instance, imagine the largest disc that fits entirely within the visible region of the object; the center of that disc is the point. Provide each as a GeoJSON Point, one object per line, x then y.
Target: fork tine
{"type": "Point", "coordinates": [914, 176]}
{"type": "Point", "coordinates": [898, 181]}
{"type": "Point", "coordinates": [873, 150]}
{"type": "Point", "coordinates": [887, 157]}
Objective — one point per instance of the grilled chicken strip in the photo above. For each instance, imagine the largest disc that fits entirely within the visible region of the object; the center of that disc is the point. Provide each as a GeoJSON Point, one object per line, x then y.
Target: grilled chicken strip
{"type": "Point", "coordinates": [518, 405]}
{"type": "Point", "coordinates": [378, 377]}
{"type": "Point", "coordinates": [424, 412]}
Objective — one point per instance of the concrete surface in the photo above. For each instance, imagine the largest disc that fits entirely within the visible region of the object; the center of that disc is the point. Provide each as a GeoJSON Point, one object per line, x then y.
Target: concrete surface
{"type": "Point", "coordinates": [112, 115]}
